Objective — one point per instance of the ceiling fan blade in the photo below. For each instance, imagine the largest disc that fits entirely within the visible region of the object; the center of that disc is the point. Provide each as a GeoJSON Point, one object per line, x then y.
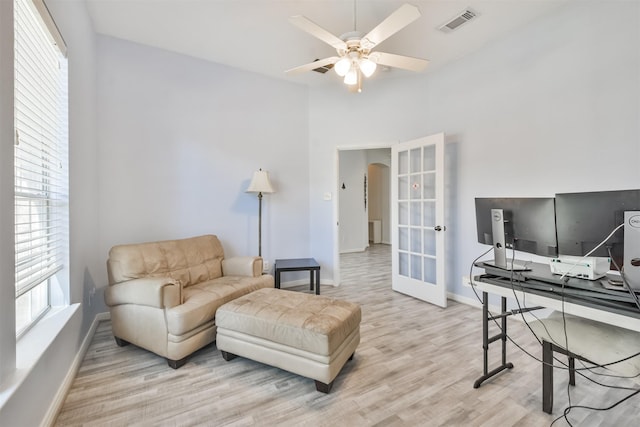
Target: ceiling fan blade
{"type": "Point", "coordinates": [399, 61]}
{"type": "Point", "coordinates": [313, 65]}
{"type": "Point", "coordinates": [317, 31]}
{"type": "Point", "coordinates": [399, 19]}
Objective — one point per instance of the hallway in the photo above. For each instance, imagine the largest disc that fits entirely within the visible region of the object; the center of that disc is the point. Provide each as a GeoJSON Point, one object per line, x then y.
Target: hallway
{"type": "Point", "coordinates": [372, 265]}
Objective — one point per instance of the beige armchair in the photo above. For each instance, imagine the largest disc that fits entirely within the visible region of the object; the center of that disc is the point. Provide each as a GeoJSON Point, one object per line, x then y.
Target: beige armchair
{"type": "Point", "coordinates": [163, 296]}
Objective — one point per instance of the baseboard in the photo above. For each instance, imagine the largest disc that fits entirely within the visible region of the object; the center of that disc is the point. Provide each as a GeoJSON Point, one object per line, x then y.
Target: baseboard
{"type": "Point", "coordinates": [474, 302]}
{"type": "Point", "coordinates": [61, 395]}
{"type": "Point", "coordinates": [353, 250]}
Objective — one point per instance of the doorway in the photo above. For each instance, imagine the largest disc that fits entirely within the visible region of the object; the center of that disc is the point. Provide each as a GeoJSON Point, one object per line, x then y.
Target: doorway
{"type": "Point", "coordinates": [363, 238]}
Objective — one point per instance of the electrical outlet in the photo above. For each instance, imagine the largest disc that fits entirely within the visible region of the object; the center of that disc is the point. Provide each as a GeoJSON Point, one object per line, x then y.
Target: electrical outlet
{"type": "Point", "coordinates": [265, 265]}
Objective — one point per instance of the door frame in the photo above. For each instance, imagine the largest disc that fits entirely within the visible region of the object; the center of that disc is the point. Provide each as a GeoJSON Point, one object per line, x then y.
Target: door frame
{"type": "Point", "coordinates": [336, 204]}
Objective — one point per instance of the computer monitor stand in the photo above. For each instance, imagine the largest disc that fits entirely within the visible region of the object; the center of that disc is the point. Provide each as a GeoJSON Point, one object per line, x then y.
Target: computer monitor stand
{"type": "Point", "coordinates": [631, 260]}
{"type": "Point", "coordinates": [499, 244]}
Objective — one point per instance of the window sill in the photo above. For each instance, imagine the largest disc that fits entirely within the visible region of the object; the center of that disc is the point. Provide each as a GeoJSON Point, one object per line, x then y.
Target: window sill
{"type": "Point", "coordinates": [33, 345]}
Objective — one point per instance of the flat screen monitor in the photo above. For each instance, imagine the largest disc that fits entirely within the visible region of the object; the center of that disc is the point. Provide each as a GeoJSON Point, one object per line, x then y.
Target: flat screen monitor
{"type": "Point", "coordinates": [529, 224]}
{"type": "Point", "coordinates": [585, 219]}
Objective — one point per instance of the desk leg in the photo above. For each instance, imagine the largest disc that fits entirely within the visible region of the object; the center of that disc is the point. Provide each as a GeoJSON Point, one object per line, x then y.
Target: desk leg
{"type": "Point", "coordinates": [318, 282]}
{"type": "Point", "coordinates": [277, 284]}
{"type": "Point", "coordinates": [503, 335]}
{"type": "Point", "coordinates": [547, 377]}
{"type": "Point", "coordinates": [486, 340]}
{"type": "Point", "coordinates": [310, 280]}
{"type": "Point", "coordinates": [485, 332]}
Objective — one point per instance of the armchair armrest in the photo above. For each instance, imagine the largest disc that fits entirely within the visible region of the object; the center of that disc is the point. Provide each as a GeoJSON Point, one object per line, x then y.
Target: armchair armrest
{"type": "Point", "coordinates": [159, 292]}
{"type": "Point", "coordinates": [242, 266]}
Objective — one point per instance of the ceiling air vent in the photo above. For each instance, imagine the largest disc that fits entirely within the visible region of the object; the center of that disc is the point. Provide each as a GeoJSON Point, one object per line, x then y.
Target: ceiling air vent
{"type": "Point", "coordinates": [461, 18]}
{"type": "Point", "coordinates": [324, 69]}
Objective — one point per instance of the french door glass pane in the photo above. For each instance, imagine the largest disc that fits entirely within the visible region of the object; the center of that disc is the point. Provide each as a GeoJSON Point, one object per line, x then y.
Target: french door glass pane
{"type": "Point", "coordinates": [429, 158]}
{"type": "Point", "coordinates": [416, 213]}
{"type": "Point", "coordinates": [429, 188]}
{"type": "Point", "coordinates": [403, 213]}
{"type": "Point", "coordinates": [403, 188]}
{"type": "Point", "coordinates": [429, 247]}
{"type": "Point", "coordinates": [416, 187]}
{"type": "Point", "coordinates": [429, 214]}
{"type": "Point", "coordinates": [416, 160]}
{"type": "Point", "coordinates": [430, 270]}
{"type": "Point", "coordinates": [416, 267]}
{"type": "Point", "coordinates": [403, 264]}
{"type": "Point", "coordinates": [403, 238]}
{"type": "Point", "coordinates": [403, 162]}
{"type": "Point", "coordinates": [416, 240]}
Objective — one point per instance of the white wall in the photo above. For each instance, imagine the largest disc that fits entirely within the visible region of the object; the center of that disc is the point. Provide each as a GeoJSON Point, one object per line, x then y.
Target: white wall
{"type": "Point", "coordinates": [380, 194]}
{"type": "Point", "coordinates": [554, 107]}
{"type": "Point", "coordinates": [353, 226]}
{"type": "Point", "coordinates": [180, 139]}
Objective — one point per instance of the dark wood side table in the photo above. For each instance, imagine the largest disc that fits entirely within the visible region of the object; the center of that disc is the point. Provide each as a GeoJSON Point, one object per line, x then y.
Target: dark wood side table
{"type": "Point", "coordinates": [299, 264]}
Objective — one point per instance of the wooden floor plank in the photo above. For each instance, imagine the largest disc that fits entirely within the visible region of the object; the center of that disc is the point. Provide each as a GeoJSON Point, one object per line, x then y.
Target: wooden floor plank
{"type": "Point", "coordinates": [415, 365]}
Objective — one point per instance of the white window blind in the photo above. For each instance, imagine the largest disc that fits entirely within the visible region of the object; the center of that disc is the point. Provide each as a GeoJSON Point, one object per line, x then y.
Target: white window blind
{"type": "Point", "coordinates": [41, 153]}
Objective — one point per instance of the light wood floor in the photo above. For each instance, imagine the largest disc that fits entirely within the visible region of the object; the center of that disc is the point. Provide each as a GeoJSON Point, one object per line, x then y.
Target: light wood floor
{"type": "Point", "coordinates": [416, 365]}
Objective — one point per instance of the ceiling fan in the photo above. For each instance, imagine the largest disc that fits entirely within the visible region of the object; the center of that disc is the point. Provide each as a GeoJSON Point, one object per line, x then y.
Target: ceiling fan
{"type": "Point", "coordinates": [355, 51]}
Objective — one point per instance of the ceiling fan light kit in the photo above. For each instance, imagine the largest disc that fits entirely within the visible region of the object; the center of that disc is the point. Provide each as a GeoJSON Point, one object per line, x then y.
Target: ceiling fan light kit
{"type": "Point", "coordinates": [342, 66]}
{"type": "Point", "coordinates": [367, 66]}
{"type": "Point", "coordinates": [352, 77]}
{"type": "Point", "coordinates": [355, 57]}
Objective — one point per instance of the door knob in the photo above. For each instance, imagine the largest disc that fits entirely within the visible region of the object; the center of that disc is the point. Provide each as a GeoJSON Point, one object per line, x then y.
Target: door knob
{"type": "Point", "coordinates": [438, 228]}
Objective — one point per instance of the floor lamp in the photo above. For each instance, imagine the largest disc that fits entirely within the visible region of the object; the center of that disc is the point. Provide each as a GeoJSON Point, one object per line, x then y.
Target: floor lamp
{"type": "Point", "coordinates": [260, 184]}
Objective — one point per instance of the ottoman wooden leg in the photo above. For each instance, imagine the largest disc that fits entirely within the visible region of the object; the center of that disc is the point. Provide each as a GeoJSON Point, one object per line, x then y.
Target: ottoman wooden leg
{"type": "Point", "coordinates": [227, 356]}
{"type": "Point", "coordinates": [322, 387]}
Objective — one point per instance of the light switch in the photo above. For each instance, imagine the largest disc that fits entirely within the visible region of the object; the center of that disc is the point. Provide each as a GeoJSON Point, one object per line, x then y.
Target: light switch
{"type": "Point", "coordinates": [327, 196]}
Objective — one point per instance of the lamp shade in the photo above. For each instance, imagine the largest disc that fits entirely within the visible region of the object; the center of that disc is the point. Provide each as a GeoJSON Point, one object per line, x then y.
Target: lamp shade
{"type": "Point", "coordinates": [260, 183]}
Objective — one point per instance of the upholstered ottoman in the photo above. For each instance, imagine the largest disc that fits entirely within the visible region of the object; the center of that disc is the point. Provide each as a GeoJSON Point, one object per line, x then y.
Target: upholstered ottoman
{"type": "Point", "coordinates": [309, 335]}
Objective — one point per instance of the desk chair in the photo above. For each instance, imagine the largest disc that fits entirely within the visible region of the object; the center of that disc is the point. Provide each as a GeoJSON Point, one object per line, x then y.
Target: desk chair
{"type": "Point", "coordinates": [588, 340]}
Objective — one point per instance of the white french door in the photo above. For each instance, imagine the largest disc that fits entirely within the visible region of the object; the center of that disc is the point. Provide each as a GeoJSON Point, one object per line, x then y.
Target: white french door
{"type": "Point", "coordinates": [417, 196]}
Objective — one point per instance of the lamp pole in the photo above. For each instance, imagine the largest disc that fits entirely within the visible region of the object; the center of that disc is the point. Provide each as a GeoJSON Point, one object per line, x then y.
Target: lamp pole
{"type": "Point", "coordinates": [260, 224]}
{"type": "Point", "coordinates": [260, 184]}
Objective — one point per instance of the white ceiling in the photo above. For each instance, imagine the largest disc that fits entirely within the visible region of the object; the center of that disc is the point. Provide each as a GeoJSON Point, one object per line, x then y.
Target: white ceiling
{"type": "Point", "coordinates": [255, 35]}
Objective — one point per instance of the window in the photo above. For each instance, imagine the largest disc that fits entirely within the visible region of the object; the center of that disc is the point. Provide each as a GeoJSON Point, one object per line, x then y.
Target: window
{"type": "Point", "coordinates": [41, 160]}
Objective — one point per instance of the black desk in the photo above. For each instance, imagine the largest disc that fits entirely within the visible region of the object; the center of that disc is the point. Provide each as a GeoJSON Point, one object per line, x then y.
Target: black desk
{"type": "Point", "coordinates": [299, 264]}
{"type": "Point", "coordinates": [578, 297]}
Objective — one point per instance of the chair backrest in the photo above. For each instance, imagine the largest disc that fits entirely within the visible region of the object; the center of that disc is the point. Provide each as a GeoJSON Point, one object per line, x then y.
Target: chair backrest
{"type": "Point", "coordinates": [190, 261]}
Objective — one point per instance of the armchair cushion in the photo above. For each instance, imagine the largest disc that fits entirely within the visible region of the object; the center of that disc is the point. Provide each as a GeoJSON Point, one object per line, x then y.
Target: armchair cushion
{"type": "Point", "coordinates": [190, 261]}
{"type": "Point", "coordinates": [201, 301]}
